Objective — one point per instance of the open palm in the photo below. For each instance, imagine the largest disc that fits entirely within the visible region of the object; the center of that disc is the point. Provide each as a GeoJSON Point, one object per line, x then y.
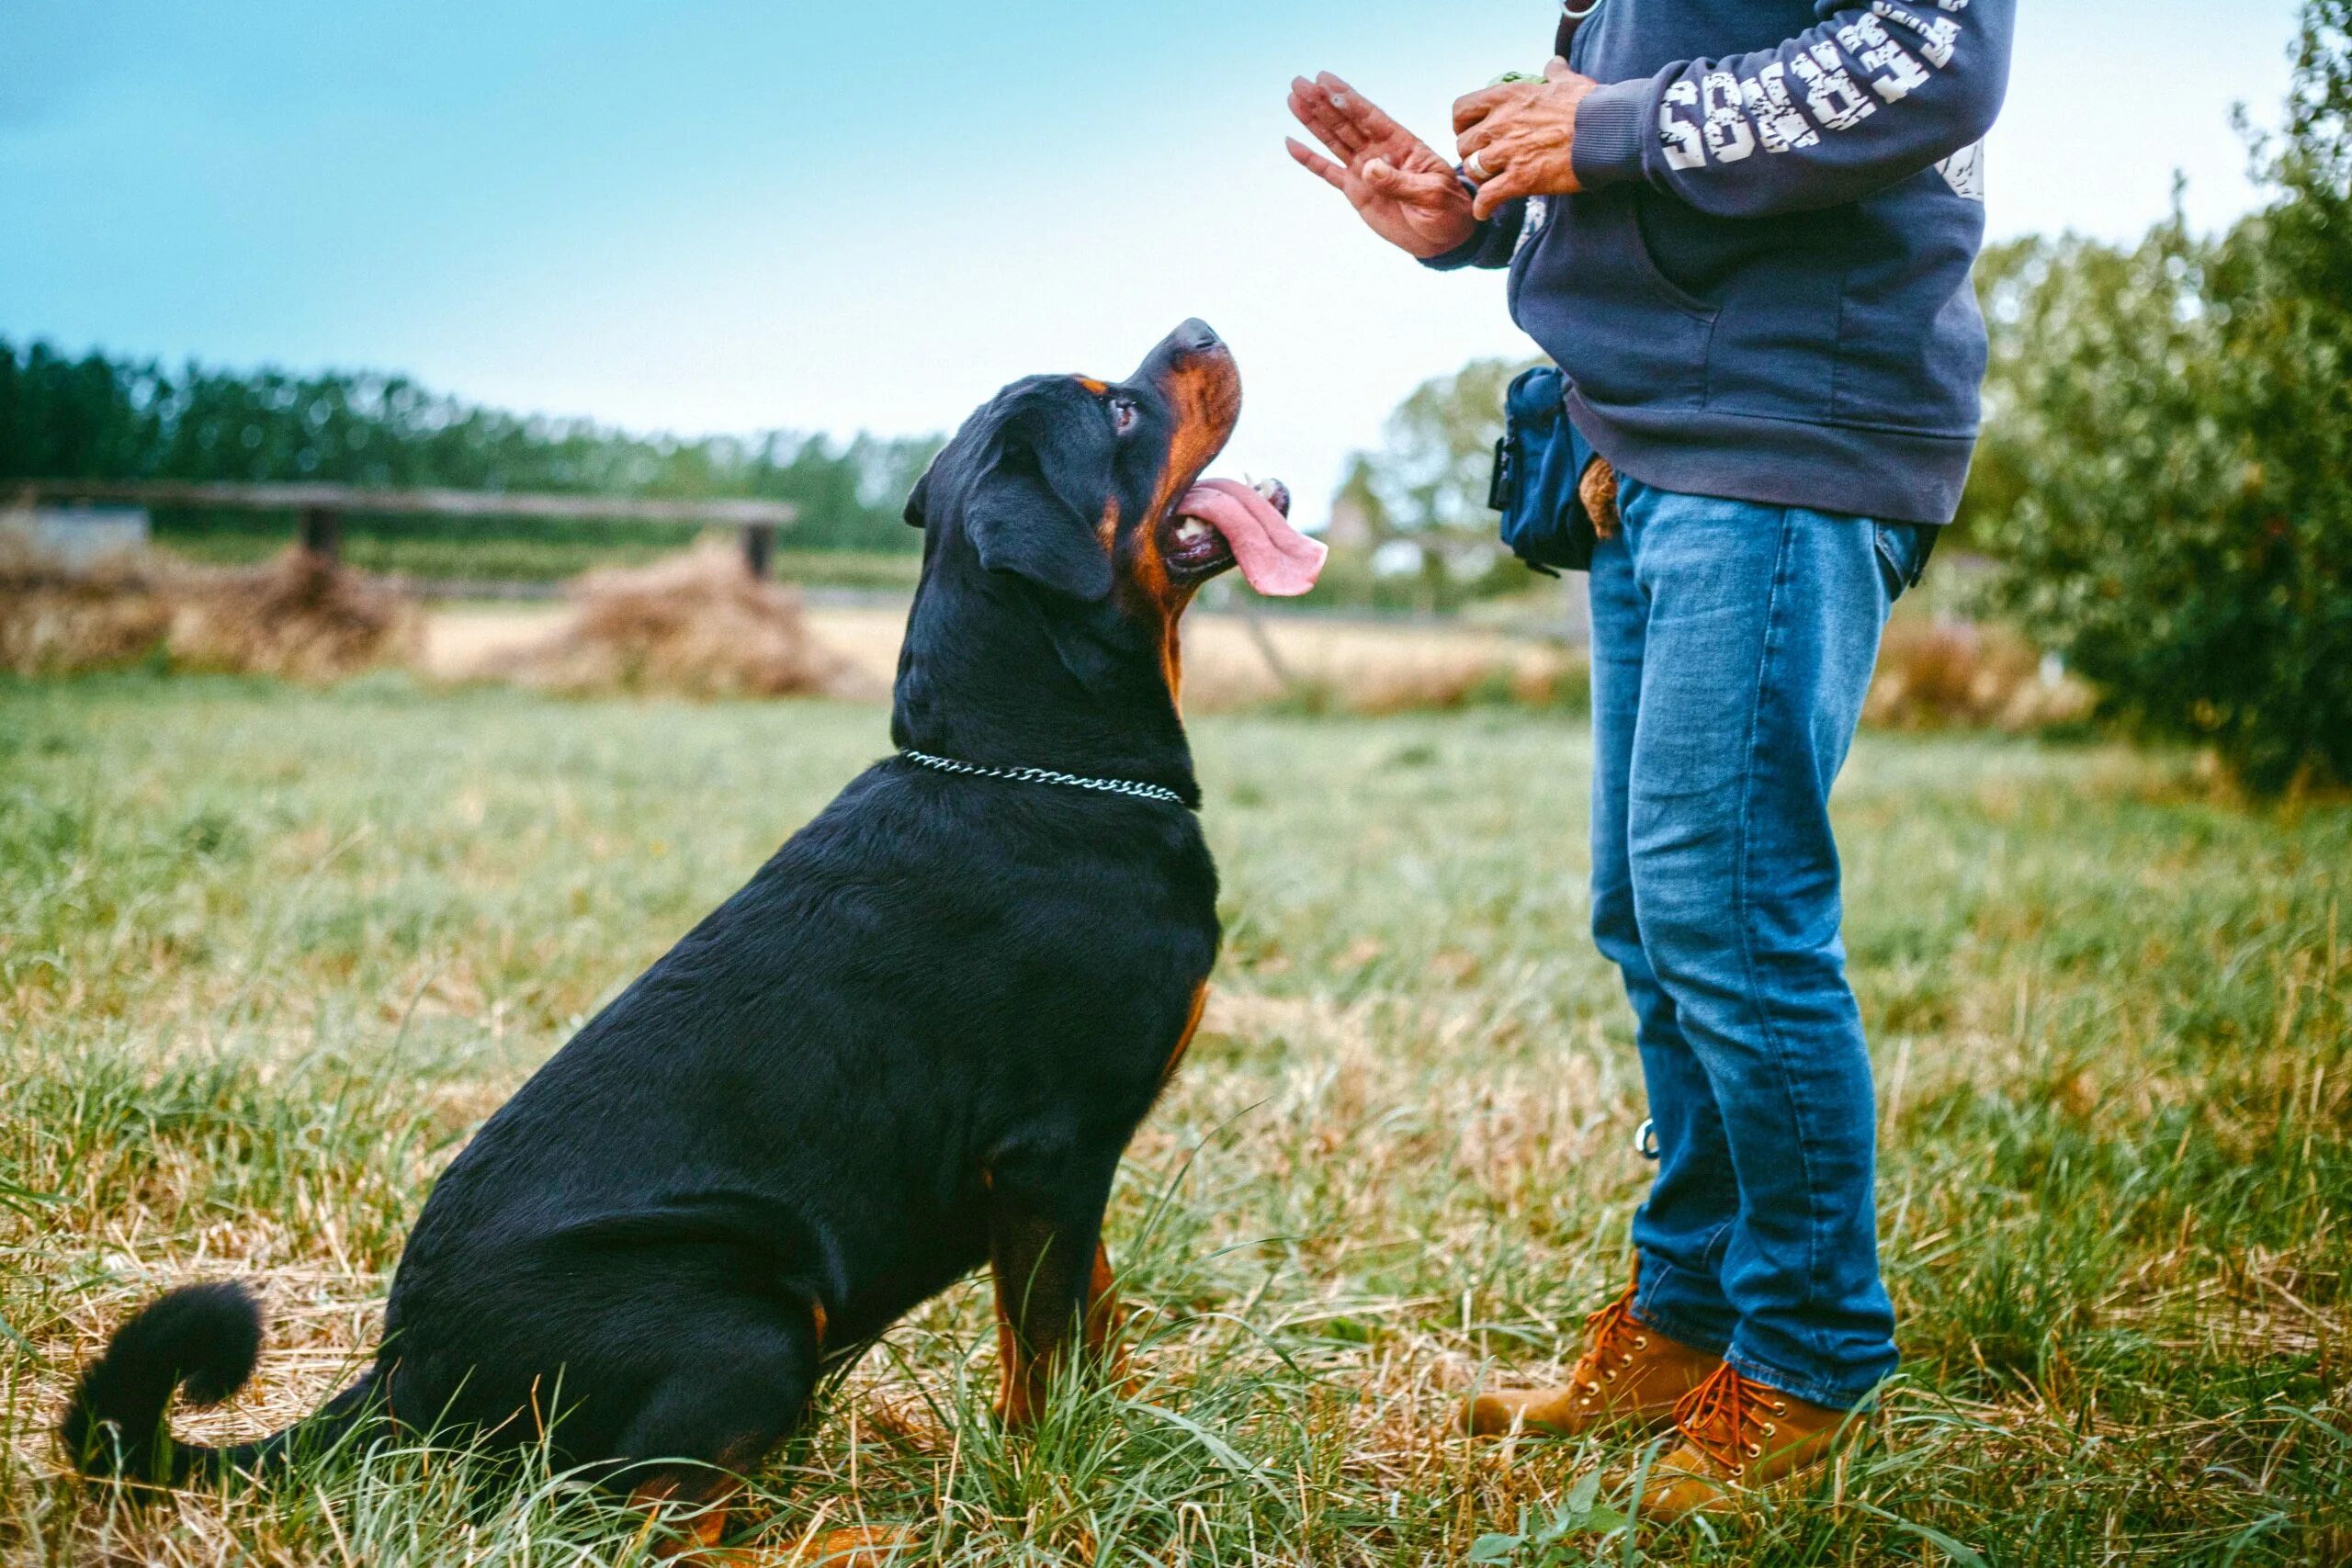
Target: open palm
{"type": "Point", "coordinates": [1403, 191]}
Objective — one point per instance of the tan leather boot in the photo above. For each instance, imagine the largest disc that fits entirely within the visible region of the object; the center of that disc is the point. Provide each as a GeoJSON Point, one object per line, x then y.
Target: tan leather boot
{"type": "Point", "coordinates": [1629, 1372]}
{"type": "Point", "coordinates": [1739, 1434]}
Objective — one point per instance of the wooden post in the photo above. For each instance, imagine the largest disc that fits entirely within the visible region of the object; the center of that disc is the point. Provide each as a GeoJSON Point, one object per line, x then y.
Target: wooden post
{"type": "Point", "coordinates": [759, 548]}
{"type": "Point", "coordinates": [322, 531]}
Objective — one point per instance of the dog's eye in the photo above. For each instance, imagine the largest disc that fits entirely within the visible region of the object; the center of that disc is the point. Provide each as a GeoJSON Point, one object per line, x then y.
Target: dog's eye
{"type": "Point", "coordinates": [1124, 415]}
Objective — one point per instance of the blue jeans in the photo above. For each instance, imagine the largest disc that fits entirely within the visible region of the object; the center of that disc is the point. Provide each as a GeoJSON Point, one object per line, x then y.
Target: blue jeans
{"type": "Point", "coordinates": [1731, 647]}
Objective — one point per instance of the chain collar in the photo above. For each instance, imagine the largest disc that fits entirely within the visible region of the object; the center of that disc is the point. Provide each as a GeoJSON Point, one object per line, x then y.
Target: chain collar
{"type": "Point", "coordinates": [1046, 775]}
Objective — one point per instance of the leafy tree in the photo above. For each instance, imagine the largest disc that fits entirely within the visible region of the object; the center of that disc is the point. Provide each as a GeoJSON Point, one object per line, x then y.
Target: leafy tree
{"type": "Point", "coordinates": [1426, 483]}
{"type": "Point", "coordinates": [2168, 462]}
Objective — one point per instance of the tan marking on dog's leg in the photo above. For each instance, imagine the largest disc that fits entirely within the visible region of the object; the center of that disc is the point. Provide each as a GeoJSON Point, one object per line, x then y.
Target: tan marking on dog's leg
{"type": "Point", "coordinates": [1191, 1027]}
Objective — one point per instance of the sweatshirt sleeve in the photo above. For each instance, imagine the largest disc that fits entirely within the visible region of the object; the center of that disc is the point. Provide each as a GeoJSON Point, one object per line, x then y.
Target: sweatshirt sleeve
{"type": "Point", "coordinates": [1490, 244]}
{"type": "Point", "coordinates": [1870, 95]}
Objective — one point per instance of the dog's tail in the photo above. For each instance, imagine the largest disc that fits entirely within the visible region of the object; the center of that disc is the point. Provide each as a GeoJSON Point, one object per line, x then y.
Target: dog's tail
{"type": "Point", "coordinates": [199, 1341]}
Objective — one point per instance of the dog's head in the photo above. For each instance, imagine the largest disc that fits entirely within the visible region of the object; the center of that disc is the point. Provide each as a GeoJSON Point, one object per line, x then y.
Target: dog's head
{"type": "Point", "coordinates": [1088, 493]}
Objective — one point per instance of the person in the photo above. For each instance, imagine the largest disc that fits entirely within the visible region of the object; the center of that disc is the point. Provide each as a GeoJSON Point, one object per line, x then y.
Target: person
{"type": "Point", "coordinates": [1744, 231]}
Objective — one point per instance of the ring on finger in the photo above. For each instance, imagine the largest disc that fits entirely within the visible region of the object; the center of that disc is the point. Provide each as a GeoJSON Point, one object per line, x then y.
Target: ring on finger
{"type": "Point", "coordinates": [1476, 167]}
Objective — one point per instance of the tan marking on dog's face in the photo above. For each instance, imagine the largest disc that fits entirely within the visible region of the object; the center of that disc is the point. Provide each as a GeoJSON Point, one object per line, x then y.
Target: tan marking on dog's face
{"type": "Point", "coordinates": [1204, 393]}
{"type": "Point", "coordinates": [1204, 397]}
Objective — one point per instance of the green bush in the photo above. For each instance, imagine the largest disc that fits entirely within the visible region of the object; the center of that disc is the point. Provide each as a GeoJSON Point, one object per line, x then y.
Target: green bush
{"type": "Point", "coordinates": [2167, 467]}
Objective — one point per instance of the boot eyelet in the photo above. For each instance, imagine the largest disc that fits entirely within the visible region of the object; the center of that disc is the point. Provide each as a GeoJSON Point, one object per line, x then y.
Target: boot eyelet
{"type": "Point", "coordinates": [1641, 1341]}
{"type": "Point", "coordinates": [1770, 1430]}
{"type": "Point", "coordinates": [1610, 1376]}
{"type": "Point", "coordinates": [1779, 1408]}
{"type": "Point", "coordinates": [1624, 1360]}
{"type": "Point", "coordinates": [1754, 1452]}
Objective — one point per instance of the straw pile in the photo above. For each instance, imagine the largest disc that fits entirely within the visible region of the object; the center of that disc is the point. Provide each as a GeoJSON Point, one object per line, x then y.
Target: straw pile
{"type": "Point", "coordinates": [300, 617]}
{"type": "Point", "coordinates": [696, 625]}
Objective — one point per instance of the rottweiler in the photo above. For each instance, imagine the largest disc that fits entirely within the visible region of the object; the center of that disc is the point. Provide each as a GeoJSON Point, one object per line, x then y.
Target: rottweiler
{"type": "Point", "coordinates": [917, 1042]}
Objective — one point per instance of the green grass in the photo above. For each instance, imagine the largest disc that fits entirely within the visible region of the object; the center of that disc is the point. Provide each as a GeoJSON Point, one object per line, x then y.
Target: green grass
{"type": "Point", "coordinates": [267, 955]}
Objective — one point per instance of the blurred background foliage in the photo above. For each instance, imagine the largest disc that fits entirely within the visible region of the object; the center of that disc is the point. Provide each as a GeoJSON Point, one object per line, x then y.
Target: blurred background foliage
{"type": "Point", "coordinates": [2167, 474]}
{"type": "Point", "coordinates": [95, 417]}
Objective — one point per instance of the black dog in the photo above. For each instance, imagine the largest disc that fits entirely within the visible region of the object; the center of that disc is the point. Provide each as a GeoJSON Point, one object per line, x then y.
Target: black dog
{"type": "Point", "coordinates": [918, 1041]}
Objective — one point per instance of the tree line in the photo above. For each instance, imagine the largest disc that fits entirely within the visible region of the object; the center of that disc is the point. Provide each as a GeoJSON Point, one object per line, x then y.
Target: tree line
{"type": "Point", "coordinates": [96, 416]}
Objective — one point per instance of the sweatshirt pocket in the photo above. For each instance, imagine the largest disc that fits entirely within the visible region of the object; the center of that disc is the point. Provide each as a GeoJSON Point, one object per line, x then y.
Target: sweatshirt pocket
{"type": "Point", "coordinates": [1623, 331]}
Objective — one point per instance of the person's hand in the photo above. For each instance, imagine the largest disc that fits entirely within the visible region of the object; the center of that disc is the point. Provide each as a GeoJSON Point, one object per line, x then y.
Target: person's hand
{"type": "Point", "coordinates": [1519, 138]}
{"type": "Point", "coordinates": [1403, 191]}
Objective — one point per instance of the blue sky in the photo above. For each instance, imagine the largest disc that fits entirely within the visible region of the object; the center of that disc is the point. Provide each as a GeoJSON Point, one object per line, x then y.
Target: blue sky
{"type": "Point", "coordinates": [724, 216]}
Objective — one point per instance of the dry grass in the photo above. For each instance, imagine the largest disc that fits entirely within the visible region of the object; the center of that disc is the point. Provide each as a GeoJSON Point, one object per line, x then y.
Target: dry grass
{"type": "Point", "coordinates": [266, 958]}
{"type": "Point", "coordinates": [1345, 666]}
{"type": "Point", "coordinates": [1939, 671]}
{"type": "Point", "coordinates": [694, 624]}
{"type": "Point", "coordinates": [297, 617]}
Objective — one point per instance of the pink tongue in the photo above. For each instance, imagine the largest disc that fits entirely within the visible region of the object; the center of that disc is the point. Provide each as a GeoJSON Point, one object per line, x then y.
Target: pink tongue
{"type": "Point", "coordinates": [1276, 558]}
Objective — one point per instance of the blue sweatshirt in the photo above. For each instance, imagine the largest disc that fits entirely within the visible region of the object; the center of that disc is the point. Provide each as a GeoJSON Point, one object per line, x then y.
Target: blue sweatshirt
{"type": "Point", "coordinates": [1762, 291]}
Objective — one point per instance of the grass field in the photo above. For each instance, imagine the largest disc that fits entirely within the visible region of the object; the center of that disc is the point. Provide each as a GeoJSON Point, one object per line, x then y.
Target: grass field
{"type": "Point", "coordinates": [267, 955]}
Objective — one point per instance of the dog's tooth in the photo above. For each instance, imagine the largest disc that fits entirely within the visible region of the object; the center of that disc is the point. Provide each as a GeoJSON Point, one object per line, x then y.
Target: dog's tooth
{"type": "Point", "coordinates": [1192, 529]}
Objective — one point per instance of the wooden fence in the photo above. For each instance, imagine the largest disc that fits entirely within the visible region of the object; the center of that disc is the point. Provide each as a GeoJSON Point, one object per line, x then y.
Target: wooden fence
{"type": "Point", "coordinates": [320, 508]}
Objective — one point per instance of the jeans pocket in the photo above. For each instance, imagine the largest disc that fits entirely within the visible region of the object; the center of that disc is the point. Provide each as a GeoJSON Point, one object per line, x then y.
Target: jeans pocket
{"type": "Point", "coordinates": [1903, 552]}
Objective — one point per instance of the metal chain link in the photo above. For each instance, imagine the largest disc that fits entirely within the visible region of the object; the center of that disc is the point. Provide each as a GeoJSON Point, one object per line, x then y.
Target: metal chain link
{"type": "Point", "coordinates": [1046, 775]}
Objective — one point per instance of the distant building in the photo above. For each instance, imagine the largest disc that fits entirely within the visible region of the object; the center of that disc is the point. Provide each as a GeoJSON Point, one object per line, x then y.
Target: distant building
{"type": "Point", "coordinates": [75, 538]}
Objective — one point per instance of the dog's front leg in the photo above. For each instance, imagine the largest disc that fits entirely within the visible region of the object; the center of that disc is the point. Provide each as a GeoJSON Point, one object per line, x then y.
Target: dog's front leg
{"type": "Point", "coordinates": [1053, 1276]}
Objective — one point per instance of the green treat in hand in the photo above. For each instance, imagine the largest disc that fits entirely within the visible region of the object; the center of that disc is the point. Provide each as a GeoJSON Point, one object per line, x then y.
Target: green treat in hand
{"type": "Point", "coordinates": [1508, 77]}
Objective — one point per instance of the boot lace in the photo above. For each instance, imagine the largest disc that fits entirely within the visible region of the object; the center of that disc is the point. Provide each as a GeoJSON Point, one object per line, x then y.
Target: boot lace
{"type": "Point", "coordinates": [1725, 1416]}
{"type": "Point", "coordinates": [1613, 1336]}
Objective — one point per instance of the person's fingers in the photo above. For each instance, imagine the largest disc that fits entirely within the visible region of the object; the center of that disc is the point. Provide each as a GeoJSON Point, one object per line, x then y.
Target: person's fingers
{"type": "Point", "coordinates": [1306, 106]}
{"type": "Point", "coordinates": [1557, 70]}
{"type": "Point", "coordinates": [1426, 191]}
{"type": "Point", "coordinates": [1312, 106]}
{"type": "Point", "coordinates": [1492, 147]}
{"type": "Point", "coordinates": [1371, 121]}
{"type": "Point", "coordinates": [1503, 187]}
{"type": "Point", "coordinates": [1344, 108]}
{"type": "Point", "coordinates": [1472, 107]}
{"type": "Point", "coordinates": [1479, 136]}
{"type": "Point", "coordinates": [1315, 164]}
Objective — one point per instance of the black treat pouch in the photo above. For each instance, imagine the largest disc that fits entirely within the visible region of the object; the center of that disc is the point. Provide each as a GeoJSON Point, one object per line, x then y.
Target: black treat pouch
{"type": "Point", "coordinates": [1537, 464]}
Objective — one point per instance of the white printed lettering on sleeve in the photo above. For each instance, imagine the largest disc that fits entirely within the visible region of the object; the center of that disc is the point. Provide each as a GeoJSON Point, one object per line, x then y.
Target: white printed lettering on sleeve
{"type": "Point", "coordinates": [1831, 93]}
{"type": "Point", "coordinates": [1776, 117]}
{"type": "Point", "coordinates": [1684, 147]}
{"type": "Point", "coordinates": [1729, 135]}
{"type": "Point", "coordinates": [1531, 224]}
{"type": "Point", "coordinates": [1937, 35]}
{"type": "Point", "coordinates": [1723, 119]}
{"type": "Point", "coordinates": [1964, 171]}
{"type": "Point", "coordinates": [1894, 74]}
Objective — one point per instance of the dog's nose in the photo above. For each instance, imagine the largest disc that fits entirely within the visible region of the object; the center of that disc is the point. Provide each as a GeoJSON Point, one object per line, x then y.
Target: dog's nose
{"type": "Point", "coordinates": [1196, 337]}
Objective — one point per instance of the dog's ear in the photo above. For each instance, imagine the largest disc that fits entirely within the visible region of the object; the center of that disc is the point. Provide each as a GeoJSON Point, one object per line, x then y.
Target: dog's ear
{"type": "Point", "coordinates": [918, 498]}
{"type": "Point", "coordinates": [1042, 492]}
